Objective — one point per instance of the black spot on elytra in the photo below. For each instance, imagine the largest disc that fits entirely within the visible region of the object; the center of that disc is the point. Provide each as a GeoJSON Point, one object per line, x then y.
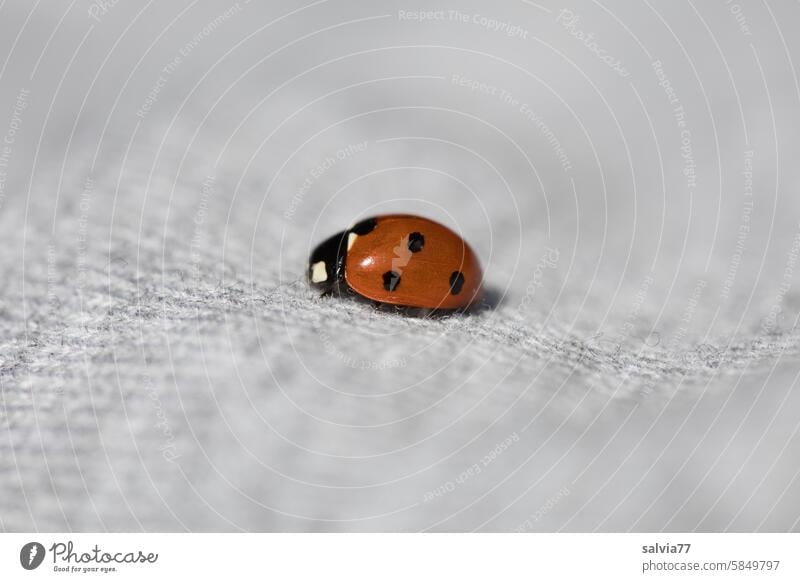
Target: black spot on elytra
{"type": "Point", "coordinates": [456, 282]}
{"type": "Point", "coordinates": [364, 227]}
{"type": "Point", "coordinates": [391, 279]}
{"type": "Point", "coordinates": [415, 242]}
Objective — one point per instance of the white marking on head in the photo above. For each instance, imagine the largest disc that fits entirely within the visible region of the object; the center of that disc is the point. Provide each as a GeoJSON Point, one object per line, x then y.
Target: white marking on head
{"type": "Point", "coordinates": [351, 239]}
{"type": "Point", "coordinates": [318, 272]}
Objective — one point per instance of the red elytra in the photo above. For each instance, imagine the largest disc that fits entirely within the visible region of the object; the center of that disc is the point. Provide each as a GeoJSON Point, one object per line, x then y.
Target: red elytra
{"type": "Point", "coordinates": [399, 259]}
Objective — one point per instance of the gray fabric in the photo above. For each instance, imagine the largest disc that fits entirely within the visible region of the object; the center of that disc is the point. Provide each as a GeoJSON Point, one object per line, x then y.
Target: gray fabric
{"type": "Point", "coordinates": [165, 367]}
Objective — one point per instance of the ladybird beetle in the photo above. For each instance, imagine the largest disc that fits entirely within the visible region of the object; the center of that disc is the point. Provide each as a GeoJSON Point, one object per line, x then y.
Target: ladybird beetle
{"type": "Point", "coordinates": [399, 259]}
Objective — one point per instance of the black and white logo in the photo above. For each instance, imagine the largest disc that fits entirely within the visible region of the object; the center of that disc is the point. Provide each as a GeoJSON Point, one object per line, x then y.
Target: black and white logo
{"type": "Point", "coordinates": [31, 555]}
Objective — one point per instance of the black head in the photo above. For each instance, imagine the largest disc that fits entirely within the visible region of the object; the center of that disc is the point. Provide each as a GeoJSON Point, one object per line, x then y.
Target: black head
{"type": "Point", "coordinates": [326, 264]}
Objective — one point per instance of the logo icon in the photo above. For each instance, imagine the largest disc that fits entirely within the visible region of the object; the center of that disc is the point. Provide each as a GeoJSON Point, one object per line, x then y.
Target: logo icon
{"type": "Point", "coordinates": [31, 555]}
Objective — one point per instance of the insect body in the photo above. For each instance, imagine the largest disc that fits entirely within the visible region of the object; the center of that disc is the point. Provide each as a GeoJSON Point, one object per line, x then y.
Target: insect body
{"type": "Point", "coordinates": [399, 259]}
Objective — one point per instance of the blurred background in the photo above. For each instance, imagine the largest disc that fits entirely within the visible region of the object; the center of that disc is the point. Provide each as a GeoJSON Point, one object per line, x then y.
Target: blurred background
{"type": "Point", "coordinates": [626, 172]}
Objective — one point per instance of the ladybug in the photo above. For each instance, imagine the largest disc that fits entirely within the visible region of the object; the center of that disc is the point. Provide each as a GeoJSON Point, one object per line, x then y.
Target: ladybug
{"type": "Point", "coordinates": [399, 259]}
